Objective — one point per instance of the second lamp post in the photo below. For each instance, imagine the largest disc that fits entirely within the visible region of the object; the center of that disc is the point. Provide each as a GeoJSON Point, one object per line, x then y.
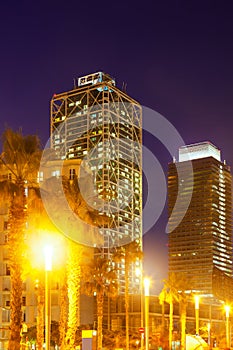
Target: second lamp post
{"type": "Point", "coordinates": [48, 268]}
{"type": "Point", "coordinates": [147, 295]}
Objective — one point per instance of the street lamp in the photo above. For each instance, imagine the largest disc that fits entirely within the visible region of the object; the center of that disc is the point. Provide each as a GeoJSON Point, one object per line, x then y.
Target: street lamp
{"type": "Point", "coordinates": [197, 299]}
{"type": "Point", "coordinates": [147, 295]}
{"type": "Point", "coordinates": [208, 328]}
{"type": "Point", "coordinates": [227, 310]}
{"type": "Point", "coordinates": [48, 252]}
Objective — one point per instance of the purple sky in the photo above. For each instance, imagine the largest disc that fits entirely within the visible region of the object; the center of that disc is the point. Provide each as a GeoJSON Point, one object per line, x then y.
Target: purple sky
{"type": "Point", "coordinates": [175, 56]}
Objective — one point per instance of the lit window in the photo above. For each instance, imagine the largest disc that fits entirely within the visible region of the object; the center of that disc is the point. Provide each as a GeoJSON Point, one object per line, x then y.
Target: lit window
{"type": "Point", "coordinates": [56, 173]}
{"type": "Point", "coordinates": [40, 176]}
{"type": "Point", "coordinates": [72, 174]}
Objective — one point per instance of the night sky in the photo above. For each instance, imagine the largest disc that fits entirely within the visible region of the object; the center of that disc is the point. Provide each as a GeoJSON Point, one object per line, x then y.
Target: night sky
{"type": "Point", "coordinates": [176, 58]}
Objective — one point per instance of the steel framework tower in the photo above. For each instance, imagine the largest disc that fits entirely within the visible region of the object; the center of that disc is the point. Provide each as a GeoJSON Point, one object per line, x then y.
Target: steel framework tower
{"type": "Point", "coordinates": [101, 125]}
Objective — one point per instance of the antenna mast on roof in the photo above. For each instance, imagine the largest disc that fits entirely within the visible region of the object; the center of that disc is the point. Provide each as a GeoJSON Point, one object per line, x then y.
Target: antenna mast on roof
{"type": "Point", "coordinates": [124, 85]}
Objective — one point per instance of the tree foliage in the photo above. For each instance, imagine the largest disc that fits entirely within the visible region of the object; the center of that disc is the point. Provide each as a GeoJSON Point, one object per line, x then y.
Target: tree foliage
{"type": "Point", "coordinates": [129, 253]}
{"type": "Point", "coordinates": [20, 158]}
{"type": "Point", "coordinates": [101, 280]}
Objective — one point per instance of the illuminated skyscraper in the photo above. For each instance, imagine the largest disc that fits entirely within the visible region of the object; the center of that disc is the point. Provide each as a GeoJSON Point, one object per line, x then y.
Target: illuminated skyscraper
{"type": "Point", "coordinates": [100, 124]}
{"type": "Point", "coordinates": [201, 244]}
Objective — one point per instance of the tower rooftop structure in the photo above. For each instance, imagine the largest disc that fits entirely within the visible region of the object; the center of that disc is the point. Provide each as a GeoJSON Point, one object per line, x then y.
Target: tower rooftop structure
{"type": "Point", "coordinates": [199, 150]}
{"type": "Point", "coordinates": [94, 78]}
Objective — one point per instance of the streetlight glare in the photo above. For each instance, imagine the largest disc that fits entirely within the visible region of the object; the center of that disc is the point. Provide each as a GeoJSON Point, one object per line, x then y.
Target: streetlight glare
{"type": "Point", "coordinates": [147, 286]}
{"type": "Point", "coordinates": [227, 309]}
{"type": "Point", "coordinates": [197, 300]}
{"type": "Point", "coordinates": [48, 253]}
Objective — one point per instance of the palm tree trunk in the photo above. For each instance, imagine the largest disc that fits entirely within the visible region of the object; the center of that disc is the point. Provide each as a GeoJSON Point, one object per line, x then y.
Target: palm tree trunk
{"type": "Point", "coordinates": [170, 324]}
{"type": "Point", "coordinates": [15, 306]}
{"type": "Point", "coordinates": [163, 317]}
{"type": "Point", "coordinates": [73, 282]}
{"type": "Point", "coordinates": [183, 325]}
{"type": "Point", "coordinates": [63, 313]}
{"type": "Point", "coordinates": [17, 220]}
{"type": "Point", "coordinates": [100, 301]}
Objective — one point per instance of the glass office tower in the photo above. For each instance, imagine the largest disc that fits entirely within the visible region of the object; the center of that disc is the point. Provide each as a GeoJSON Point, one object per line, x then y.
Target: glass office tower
{"type": "Point", "coordinates": [200, 246]}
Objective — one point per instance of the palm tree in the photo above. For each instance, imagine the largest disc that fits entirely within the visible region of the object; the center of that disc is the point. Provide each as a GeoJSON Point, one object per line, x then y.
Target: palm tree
{"type": "Point", "coordinates": [162, 299]}
{"type": "Point", "coordinates": [130, 252]}
{"type": "Point", "coordinates": [175, 288]}
{"type": "Point", "coordinates": [76, 252]}
{"type": "Point", "coordinates": [170, 294]}
{"type": "Point", "coordinates": [89, 220]}
{"type": "Point", "coordinates": [183, 286]}
{"type": "Point", "coordinates": [183, 306]}
{"type": "Point", "coordinates": [102, 281]}
{"type": "Point", "coordinates": [63, 310]}
{"type": "Point", "coordinates": [20, 157]}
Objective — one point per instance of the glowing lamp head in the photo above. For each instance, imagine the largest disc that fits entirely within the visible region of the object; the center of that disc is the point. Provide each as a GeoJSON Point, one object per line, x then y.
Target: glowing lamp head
{"type": "Point", "coordinates": [147, 286]}
{"type": "Point", "coordinates": [227, 309]}
{"type": "Point", "coordinates": [48, 253]}
{"type": "Point", "coordinates": [197, 299]}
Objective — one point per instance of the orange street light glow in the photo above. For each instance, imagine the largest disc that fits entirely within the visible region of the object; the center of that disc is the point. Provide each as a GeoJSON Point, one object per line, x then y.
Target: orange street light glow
{"type": "Point", "coordinates": [48, 253]}
{"type": "Point", "coordinates": [227, 309]}
{"type": "Point", "coordinates": [147, 286]}
{"type": "Point", "coordinates": [197, 299]}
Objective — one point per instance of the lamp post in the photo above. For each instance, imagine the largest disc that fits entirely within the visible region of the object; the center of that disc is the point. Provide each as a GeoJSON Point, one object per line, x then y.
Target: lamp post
{"type": "Point", "coordinates": [227, 310]}
{"type": "Point", "coordinates": [208, 328]}
{"type": "Point", "coordinates": [48, 268]}
{"type": "Point", "coordinates": [197, 299]}
{"type": "Point", "coordinates": [147, 295]}
{"type": "Point", "coordinates": [139, 273]}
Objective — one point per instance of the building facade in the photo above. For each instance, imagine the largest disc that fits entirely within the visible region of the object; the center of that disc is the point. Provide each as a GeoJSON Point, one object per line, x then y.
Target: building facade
{"type": "Point", "coordinates": [200, 245]}
{"type": "Point", "coordinates": [102, 126]}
